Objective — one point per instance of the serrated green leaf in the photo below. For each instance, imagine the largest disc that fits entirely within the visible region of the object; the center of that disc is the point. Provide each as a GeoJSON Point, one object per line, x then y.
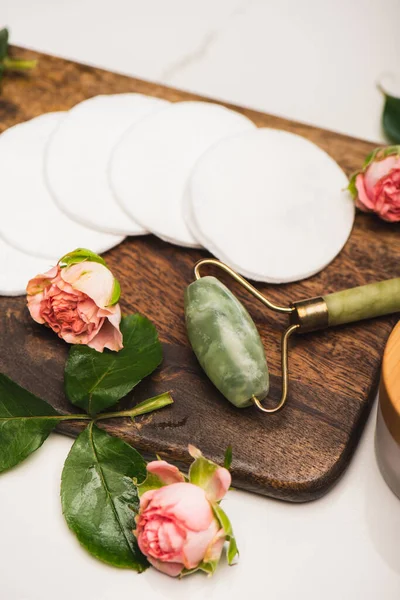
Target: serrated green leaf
{"type": "Point", "coordinates": [391, 119]}
{"type": "Point", "coordinates": [4, 35]}
{"type": "Point", "coordinates": [80, 255]}
{"type": "Point", "coordinates": [25, 422]}
{"type": "Point", "coordinates": [228, 457]}
{"type": "Point", "coordinates": [95, 381]}
{"type": "Point", "coordinates": [99, 499]}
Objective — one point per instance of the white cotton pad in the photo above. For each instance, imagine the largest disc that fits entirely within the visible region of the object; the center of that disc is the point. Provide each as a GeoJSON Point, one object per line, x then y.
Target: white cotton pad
{"type": "Point", "coordinates": [77, 157]}
{"type": "Point", "coordinates": [17, 268]}
{"type": "Point", "coordinates": [270, 204]}
{"type": "Point", "coordinates": [151, 164]}
{"type": "Point", "coordinates": [30, 221]}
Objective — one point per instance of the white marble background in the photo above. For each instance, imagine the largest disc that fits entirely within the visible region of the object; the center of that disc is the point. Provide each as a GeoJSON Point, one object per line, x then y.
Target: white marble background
{"type": "Point", "coordinates": [316, 61]}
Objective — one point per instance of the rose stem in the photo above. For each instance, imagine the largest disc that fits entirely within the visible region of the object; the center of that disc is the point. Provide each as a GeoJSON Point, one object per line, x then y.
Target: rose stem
{"type": "Point", "coordinates": [144, 407]}
{"type": "Point", "coordinates": [15, 64]}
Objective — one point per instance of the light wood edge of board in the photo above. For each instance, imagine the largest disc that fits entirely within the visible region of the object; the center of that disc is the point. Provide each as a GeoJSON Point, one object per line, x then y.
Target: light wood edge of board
{"type": "Point", "coordinates": [389, 393]}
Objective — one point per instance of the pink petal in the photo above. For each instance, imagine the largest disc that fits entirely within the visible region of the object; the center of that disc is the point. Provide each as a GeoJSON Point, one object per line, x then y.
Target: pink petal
{"type": "Point", "coordinates": [109, 336]}
{"type": "Point", "coordinates": [113, 315]}
{"type": "Point", "coordinates": [166, 472]}
{"type": "Point", "coordinates": [146, 499]}
{"type": "Point", "coordinates": [377, 170]}
{"type": "Point", "coordinates": [34, 307]}
{"type": "Point", "coordinates": [196, 545]}
{"type": "Point", "coordinates": [91, 278]}
{"type": "Point", "coordinates": [362, 201]}
{"type": "Point", "coordinates": [38, 283]}
{"type": "Point", "coordinates": [219, 484]}
{"type": "Point", "coordinates": [72, 338]}
{"type": "Point", "coordinates": [392, 217]}
{"type": "Point", "coordinates": [194, 452]}
{"type": "Point", "coordinates": [214, 550]}
{"type": "Point", "coordinates": [169, 568]}
{"type": "Point", "coordinates": [171, 537]}
{"type": "Point", "coordinates": [185, 502]}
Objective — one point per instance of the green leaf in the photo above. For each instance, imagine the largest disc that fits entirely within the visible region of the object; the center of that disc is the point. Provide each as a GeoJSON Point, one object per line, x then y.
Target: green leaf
{"type": "Point", "coordinates": [391, 119]}
{"type": "Point", "coordinates": [228, 457]}
{"type": "Point", "coordinates": [79, 255]}
{"type": "Point", "coordinates": [99, 499]}
{"type": "Point", "coordinates": [227, 527]}
{"type": "Point", "coordinates": [3, 43]}
{"type": "Point", "coordinates": [95, 381]}
{"type": "Point", "coordinates": [25, 422]}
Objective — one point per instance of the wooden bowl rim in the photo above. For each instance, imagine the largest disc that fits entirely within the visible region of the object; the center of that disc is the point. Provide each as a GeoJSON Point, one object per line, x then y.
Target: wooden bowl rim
{"type": "Point", "coordinates": [389, 394]}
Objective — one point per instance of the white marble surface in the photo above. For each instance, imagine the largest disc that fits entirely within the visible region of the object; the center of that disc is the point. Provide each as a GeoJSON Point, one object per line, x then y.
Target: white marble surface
{"type": "Point", "coordinates": [313, 61]}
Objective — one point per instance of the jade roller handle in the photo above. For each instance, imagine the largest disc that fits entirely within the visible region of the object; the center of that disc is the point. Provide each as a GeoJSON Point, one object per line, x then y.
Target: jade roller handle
{"type": "Point", "coordinates": [348, 306]}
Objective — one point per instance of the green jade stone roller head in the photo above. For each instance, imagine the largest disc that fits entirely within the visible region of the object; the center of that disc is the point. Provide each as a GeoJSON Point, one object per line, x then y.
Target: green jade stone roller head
{"type": "Point", "coordinates": [229, 348]}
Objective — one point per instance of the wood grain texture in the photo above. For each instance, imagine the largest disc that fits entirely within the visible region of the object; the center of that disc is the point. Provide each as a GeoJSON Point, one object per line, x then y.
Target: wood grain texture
{"type": "Point", "coordinates": [295, 455]}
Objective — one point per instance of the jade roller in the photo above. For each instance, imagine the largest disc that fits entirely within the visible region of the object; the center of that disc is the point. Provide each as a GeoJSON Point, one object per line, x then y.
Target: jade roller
{"type": "Point", "coordinates": [229, 348]}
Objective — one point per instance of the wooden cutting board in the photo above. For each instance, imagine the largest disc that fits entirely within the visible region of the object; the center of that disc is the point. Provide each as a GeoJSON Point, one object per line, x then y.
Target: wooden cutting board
{"type": "Point", "coordinates": [297, 454]}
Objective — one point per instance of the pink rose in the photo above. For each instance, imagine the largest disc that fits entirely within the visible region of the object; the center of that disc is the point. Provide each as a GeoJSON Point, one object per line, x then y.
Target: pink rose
{"type": "Point", "coordinates": [178, 529]}
{"type": "Point", "coordinates": [74, 301]}
{"type": "Point", "coordinates": [378, 185]}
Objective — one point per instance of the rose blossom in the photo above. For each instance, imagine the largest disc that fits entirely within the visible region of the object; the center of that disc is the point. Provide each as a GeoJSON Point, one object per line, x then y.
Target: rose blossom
{"type": "Point", "coordinates": [74, 301]}
{"type": "Point", "coordinates": [176, 526]}
{"type": "Point", "coordinates": [378, 187]}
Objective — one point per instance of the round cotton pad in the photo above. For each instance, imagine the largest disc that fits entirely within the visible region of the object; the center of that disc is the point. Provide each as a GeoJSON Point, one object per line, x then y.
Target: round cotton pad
{"type": "Point", "coordinates": [30, 220]}
{"type": "Point", "coordinates": [17, 268]}
{"type": "Point", "coordinates": [270, 204]}
{"type": "Point", "coordinates": [151, 164]}
{"type": "Point", "coordinates": [78, 153]}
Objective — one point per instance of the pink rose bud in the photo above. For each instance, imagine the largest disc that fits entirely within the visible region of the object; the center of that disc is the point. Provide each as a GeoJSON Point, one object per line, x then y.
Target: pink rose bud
{"type": "Point", "coordinates": [180, 526]}
{"type": "Point", "coordinates": [79, 302]}
{"type": "Point", "coordinates": [376, 187]}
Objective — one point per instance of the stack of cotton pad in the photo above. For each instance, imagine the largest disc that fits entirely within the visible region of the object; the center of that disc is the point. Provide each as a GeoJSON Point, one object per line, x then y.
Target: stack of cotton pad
{"type": "Point", "coordinates": [151, 165]}
{"type": "Point", "coordinates": [78, 153]}
{"type": "Point", "coordinates": [268, 203]}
